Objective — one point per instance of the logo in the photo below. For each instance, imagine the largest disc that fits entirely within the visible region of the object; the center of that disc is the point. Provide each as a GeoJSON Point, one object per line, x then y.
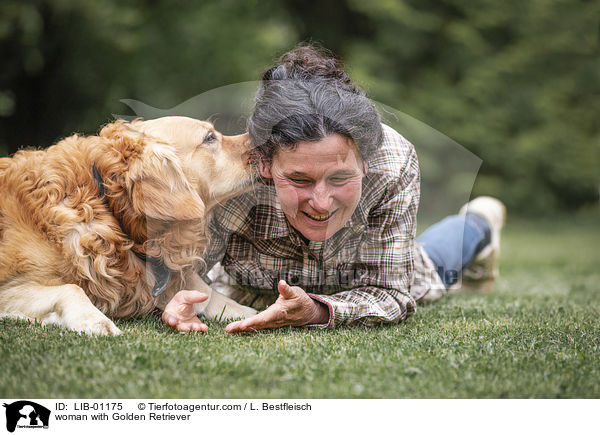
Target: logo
{"type": "Point", "coordinates": [26, 414]}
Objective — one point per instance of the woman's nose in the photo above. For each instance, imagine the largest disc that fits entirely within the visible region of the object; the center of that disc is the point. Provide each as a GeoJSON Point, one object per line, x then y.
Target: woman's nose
{"type": "Point", "coordinates": [321, 199]}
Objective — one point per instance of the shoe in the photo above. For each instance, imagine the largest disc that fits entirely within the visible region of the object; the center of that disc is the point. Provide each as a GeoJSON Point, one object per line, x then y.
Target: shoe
{"type": "Point", "coordinates": [483, 270]}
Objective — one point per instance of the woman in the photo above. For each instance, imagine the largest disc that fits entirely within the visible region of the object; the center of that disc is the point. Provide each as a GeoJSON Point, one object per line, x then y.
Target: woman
{"type": "Point", "coordinates": [329, 238]}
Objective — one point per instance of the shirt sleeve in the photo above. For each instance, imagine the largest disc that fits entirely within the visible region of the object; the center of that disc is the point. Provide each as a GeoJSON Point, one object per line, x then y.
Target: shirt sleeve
{"type": "Point", "coordinates": [217, 244]}
{"type": "Point", "coordinates": [388, 253]}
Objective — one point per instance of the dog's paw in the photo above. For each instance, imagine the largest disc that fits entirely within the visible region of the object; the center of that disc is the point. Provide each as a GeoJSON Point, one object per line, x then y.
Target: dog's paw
{"type": "Point", "coordinates": [105, 327]}
{"type": "Point", "coordinates": [93, 324]}
{"type": "Point", "coordinates": [225, 311]}
{"type": "Point", "coordinates": [238, 312]}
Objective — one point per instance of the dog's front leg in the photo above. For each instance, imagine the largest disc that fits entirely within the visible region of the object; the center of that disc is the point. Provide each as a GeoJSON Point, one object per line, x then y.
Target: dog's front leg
{"type": "Point", "coordinates": [217, 306]}
{"type": "Point", "coordinates": [65, 305]}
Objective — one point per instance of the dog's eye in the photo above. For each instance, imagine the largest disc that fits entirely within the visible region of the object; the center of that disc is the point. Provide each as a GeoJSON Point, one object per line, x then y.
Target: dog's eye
{"type": "Point", "coordinates": [210, 138]}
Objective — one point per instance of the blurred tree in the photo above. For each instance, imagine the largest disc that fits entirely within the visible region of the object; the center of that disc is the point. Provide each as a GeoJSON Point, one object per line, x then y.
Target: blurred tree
{"type": "Point", "coordinates": [517, 83]}
{"type": "Point", "coordinates": [67, 63]}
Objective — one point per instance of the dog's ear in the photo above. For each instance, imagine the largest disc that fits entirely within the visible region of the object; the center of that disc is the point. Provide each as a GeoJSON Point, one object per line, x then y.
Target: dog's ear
{"type": "Point", "coordinates": [156, 183]}
{"type": "Point", "coordinates": [155, 197]}
{"type": "Point", "coordinates": [125, 136]}
{"type": "Point", "coordinates": [158, 186]}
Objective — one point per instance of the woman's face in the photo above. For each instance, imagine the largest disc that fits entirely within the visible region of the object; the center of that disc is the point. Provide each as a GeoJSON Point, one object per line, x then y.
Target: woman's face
{"type": "Point", "coordinates": [318, 183]}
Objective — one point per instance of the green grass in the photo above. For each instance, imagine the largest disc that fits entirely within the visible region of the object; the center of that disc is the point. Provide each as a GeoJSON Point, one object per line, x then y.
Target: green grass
{"type": "Point", "coordinates": [537, 335]}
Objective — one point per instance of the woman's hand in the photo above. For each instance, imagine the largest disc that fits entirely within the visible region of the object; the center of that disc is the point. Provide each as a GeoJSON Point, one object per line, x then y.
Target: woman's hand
{"type": "Point", "coordinates": [179, 313]}
{"type": "Point", "coordinates": [293, 308]}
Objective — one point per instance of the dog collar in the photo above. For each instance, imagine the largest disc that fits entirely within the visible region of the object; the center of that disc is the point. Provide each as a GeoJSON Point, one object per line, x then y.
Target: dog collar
{"type": "Point", "coordinates": [162, 274]}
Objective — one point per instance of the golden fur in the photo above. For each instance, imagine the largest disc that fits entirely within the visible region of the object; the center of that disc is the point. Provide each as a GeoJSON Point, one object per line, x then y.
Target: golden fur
{"type": "Point", "coordinates": [62, 246]}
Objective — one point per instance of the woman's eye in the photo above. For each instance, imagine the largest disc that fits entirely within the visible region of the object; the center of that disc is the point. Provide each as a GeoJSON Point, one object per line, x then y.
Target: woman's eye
{"type": "Point", "coordinates": [298, 181]}
{"type": "Point", "coordinates": [338, 180]}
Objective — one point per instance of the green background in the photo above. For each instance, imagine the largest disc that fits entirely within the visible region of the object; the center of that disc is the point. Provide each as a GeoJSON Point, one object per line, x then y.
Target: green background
{"type": "Point", "coordinates": [516, 83]}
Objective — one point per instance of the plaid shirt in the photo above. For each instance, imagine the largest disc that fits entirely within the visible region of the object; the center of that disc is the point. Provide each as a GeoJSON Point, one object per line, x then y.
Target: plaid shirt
{"type": "Point", "coordinates": [363, 273]}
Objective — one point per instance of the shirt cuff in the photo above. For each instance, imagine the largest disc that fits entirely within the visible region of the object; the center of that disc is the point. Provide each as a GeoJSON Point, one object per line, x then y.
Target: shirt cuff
{"type": "Point", "coordinates": [330, 322]}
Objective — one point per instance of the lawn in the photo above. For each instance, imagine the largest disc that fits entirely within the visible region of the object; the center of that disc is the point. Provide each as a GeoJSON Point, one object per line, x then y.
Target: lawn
{"type": "Point", "coordinates": [537, 335]}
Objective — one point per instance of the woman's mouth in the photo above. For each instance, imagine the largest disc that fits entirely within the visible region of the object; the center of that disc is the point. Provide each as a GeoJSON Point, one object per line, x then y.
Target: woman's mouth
{"type": "Point", "coordinates": [319, 218]}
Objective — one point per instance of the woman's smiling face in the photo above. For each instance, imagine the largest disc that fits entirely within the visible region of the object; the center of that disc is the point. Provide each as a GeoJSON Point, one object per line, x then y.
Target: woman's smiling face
{"type": "Point", "coordinates": [319, 184]}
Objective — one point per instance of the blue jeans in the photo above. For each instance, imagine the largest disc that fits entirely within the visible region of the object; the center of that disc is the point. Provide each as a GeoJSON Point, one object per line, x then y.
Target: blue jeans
{"type": "Point", "coordinates": [454, 242]}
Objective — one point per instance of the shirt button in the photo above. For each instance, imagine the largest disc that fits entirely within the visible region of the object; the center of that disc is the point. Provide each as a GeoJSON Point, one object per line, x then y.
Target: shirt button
{"type": "Point", "coordinates": [294, 279]}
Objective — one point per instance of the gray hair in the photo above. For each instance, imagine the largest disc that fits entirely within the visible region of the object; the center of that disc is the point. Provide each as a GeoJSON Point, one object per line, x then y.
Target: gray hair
{"type": "Point", "coordinates": [308, 109]}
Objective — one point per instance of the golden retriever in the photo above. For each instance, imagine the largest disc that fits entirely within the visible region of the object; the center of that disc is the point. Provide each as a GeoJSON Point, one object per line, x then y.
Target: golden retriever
{"type": "Point", "coordinates": [91, 226]}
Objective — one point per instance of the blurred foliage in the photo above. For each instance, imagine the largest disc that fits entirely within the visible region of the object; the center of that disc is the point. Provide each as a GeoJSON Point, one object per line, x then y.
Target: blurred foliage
{"type": "Point", "coordinates": [517, 83]}
{"type": "Point", "coordinates": [67, 63]}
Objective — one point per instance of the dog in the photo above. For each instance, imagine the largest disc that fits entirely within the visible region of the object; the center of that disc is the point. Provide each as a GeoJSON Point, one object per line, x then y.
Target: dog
{"type": "Point", "coordinates": [114, 224]}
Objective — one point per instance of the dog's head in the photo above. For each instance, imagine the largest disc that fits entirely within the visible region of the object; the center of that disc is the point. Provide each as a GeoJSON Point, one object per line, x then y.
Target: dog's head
{"type": "Point", "coordinates": [178, 166]}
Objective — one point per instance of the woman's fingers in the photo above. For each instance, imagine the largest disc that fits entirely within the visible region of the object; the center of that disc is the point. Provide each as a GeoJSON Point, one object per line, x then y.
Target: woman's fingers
{"type": "Point", "coordinates": [285, 290]}
{"type": "Point", "coordinates": [192, 325]}
{"type": "Point", "coordinates": [272, 317]}
{"type": "Point", "coordinates": [179, 313]}
{"type": "Point", "coordinates": [190, 297]}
